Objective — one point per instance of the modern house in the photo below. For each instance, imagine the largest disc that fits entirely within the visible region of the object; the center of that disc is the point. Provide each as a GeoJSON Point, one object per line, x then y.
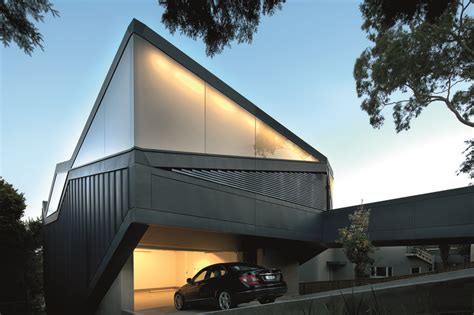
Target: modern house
{"type": "Point", "coordinates": [175, 170]}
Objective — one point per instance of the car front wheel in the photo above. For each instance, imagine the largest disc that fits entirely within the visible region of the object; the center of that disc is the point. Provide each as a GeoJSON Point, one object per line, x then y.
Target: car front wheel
{"type": "Point", "coordinates": [179, 302]}
{"type": "Point", "coordinates": [225, 301]}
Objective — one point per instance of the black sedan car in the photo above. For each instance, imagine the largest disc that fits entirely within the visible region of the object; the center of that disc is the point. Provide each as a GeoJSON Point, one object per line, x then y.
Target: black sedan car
{"type": "Point", "coordinates": [228, 284]}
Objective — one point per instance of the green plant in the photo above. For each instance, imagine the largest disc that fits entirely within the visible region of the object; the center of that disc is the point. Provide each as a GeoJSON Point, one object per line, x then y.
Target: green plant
{"type": "Point", "coordinates": [356, 243]}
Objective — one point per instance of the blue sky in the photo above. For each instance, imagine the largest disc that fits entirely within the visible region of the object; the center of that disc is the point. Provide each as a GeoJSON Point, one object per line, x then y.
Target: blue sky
{"type": "Point", "coordinates": [298, 69]}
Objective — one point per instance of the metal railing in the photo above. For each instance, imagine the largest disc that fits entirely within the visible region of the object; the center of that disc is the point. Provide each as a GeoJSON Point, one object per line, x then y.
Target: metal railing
{"type": "Point", "coordinates": [420, 253]}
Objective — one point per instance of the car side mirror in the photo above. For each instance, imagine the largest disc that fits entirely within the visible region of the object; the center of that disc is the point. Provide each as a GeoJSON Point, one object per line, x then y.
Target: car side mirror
{"type": "Point", "coordinates": [189, 280]}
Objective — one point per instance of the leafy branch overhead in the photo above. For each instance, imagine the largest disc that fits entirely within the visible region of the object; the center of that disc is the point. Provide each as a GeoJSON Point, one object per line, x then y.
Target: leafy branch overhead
{"type": "Point", "coordinates": [217, 22]}
{"type": "Point", "coordinates": [427, 59]}
{"type": "Point", "coordinates": [422, 54]}
{"type": "Point", "coordinates": [16, 25]}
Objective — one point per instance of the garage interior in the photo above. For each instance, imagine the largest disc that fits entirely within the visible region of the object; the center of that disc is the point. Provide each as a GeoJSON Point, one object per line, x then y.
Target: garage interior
{"type": "Point", "coordinates": [159, 273]}
{"type": "Point", "coordinates": [166, 257]}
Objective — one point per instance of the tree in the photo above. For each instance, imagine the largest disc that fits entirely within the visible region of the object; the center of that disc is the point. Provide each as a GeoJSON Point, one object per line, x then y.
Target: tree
{"type": "Point", "coordinates": [421, 54]}
{"type": "Point", "coordinates": [444, 251]}
{"type": "Point", "coordinates": [464, 250]}
{"type": "Point", "coordinates": [218, 23]}
{"type": "Point", "coordinates": [355, 241]}
{"type": "Point", "coordinates": [467, 166]}
{"type": "Point", "coordinates": [21, 289]}
{"type": "Point", "coordinates": [16, 26]}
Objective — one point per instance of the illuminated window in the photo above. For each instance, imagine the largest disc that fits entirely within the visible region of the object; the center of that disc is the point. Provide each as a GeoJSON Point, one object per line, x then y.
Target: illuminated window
{"type": "Point", "coordinates": [271, 144]}
{"type": "Point", "coordinates": [169, 102]}
{"type": "Point", "coordinates": [230, 129]}
{"type": "Point", "coordinates": [153, 102]}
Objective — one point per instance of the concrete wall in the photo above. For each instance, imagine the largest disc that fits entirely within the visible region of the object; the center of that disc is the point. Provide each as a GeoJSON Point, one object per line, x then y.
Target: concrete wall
{"type": "Point", "coordinates": [274, 258]}
{"type": "Point", "coordinates": [317, 268]}
{"type": "Point", "coordinates": [119, 297]}
{"type": "Point", "coordinates": [395, 257]}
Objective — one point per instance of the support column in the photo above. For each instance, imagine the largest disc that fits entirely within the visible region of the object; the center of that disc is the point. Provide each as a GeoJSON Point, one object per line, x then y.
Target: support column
{"type": "Point", "coordinates": [119, 298]}
{"type": "Point", "coordinates": [274, 258]}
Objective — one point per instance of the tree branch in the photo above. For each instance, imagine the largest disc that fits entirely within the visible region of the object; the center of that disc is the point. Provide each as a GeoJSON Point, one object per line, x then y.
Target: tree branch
{"type": "Point", "coordinates": [458, 36]}
{"type": "Point", "coordinates": [453, 109]}
{"type": "Point", "coordinates": [452, 85]}
{"type": "Point", "coordinates": [393, 103]}
{"type": "Point", "coordinates": [448, 103]}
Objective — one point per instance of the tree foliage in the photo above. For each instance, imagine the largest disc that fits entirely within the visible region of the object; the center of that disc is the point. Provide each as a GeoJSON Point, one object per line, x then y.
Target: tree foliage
{"type": "Point", "coordinates": [21, 289]}
{"type": "Point", "coordinates": [422, 53]}
{"type": "Point", "coordinates": [467, 166]}
{"type": "Point", "coordinates": [355, 241]}
{"type": "Point", "coordinates": [16, 23]}
{"type": "Point", "coordinates": [217, 22]}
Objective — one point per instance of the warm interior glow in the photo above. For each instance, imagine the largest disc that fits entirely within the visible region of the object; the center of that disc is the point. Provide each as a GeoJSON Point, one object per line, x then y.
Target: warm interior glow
{"type": "Point", "coordinates": [177, 110]}
{"type": "Point", "coordinates": [167, 67]}
{"type": "Point", "coordinates": [189, 81]}
{"type": "Point", "coordinates": [220, 100]}
{"type": "Point", "coordinates": [158, 273]}
{"type": "Point", "coordinates": [215, 97]}
{"type": "Point", "coordinates": [270, 144]}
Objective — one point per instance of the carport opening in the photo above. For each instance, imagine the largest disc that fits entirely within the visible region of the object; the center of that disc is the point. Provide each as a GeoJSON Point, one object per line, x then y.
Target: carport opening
{"type": "Point", "coordinates": [158, 273]}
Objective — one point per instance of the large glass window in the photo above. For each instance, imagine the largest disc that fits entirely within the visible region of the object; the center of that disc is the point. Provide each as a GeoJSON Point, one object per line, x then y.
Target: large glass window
{"type": "Point", "coordinates": [271, 144]}
{"type": "Point", "coordinates": [55, 198]}
{"type": "Point", "coordinates": [169, 102]}
{"type": "Point", "coordinates": [111, 130]}
{"type": "Point", "coordinates": [230, 129]}
{"type": "Point", "coordinates": [154, 102]}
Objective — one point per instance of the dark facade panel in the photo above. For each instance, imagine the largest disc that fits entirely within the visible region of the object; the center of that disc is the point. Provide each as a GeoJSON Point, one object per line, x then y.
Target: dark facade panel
{"type": "Point", "coordinates": [188, 202]}
{"type": "Point", "coordinates": [303, 188]}
{"type": "Point", "coordinates": [75, 244]}
{"type": "Point", "coordinates": [421, 219]}
{"type": "Point", "coordinates": [189, 199]}
{"type": "Point", "coordinates": [108, 205]}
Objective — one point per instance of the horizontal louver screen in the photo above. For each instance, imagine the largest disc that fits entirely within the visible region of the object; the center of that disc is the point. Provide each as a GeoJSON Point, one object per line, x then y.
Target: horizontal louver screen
{"type": "Point", "coordinates": [303, 188]}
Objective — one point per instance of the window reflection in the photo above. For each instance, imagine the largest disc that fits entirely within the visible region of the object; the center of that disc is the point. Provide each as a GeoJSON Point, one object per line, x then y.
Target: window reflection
{"type": "Point", "coordinates": [271, 144]}
{"type": "Point", "coordinates": [111, 129]}
{"type": "Point", "coordinates": [55, 198]}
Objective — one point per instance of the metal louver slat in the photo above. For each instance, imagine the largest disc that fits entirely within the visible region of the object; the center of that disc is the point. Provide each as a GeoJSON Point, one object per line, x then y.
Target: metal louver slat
{"type": "Point", "coordinates": [303, 188]}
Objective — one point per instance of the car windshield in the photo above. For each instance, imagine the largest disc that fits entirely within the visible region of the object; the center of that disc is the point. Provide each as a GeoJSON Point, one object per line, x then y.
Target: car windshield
{"type": "Point", "coordinates": [242, 267]}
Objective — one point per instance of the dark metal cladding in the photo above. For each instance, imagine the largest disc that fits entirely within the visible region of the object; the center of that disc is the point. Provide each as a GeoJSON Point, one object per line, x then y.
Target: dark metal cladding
{"type": "Point", "coordinates": [302, 188]}
{"type": "Point", "coordinates": [422, 219]}
{"type": "Point", "coordinates": [92, 212]}
{"type": "Point", "coordinates": [108, 205]}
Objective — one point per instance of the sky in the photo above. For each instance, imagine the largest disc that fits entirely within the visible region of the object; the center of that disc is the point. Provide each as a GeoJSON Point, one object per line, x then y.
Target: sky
{"type": "Point", "coordinates": [298, 69]}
